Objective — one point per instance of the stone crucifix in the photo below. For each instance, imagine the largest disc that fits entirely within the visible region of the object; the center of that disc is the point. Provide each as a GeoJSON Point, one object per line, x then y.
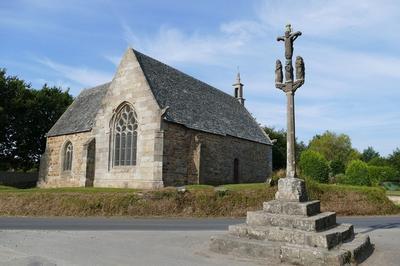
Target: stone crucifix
{"type": "Point", "coordinates": [289, 87]}
{"type": "Point", "coordinates": [290, 188]}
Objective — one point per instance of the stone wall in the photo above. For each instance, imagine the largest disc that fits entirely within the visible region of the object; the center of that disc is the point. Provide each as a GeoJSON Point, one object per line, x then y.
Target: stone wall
{"type": "Point", "coordinates": [51, 172]}
{"type": "Point", "coordinates": [130, 86]}
{"type": "Point", "coordinates": [194, 157]}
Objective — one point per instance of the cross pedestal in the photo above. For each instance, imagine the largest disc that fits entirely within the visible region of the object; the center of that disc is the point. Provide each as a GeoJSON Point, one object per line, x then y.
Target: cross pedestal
{"type": "Point", "coordinates": [291, 189]}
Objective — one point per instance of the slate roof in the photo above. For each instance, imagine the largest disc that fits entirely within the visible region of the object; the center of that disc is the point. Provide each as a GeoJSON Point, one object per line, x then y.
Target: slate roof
{"type": "Point", "coordinates": [198, 105]}
{"type": "Point", "coordinates": [80, 115]}
{"type": "Point", "coordinates": [189, 102]}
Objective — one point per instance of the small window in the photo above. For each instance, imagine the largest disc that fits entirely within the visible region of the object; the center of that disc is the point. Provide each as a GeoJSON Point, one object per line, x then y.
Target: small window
{"type": "Point", "coordinates": [68, 150]}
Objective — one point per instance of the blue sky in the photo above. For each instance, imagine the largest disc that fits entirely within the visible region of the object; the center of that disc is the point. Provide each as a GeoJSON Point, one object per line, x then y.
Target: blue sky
{"type": "Point", "coordinates": [350, 49]}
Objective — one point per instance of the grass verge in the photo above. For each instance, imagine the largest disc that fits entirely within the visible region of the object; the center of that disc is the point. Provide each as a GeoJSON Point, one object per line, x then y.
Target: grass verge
{"type": "Point", "coordinates": [352, 200]}
{"type": "Point", "coordinates": [196, 201]}
{"type": "Point", "coordinates": [393, 193]}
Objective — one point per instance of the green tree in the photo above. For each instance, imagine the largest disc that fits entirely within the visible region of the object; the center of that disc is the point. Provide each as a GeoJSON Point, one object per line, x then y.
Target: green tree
{"type": "Point", "coordinates": [394, 159]}
{"type": "Point", "coordinates": [379, 161]}
{"type": "Point", "coordinates": [26, 115]}
{"type": "Point", "coordinates": [337, 167]}
{"type": "Point", "coordinates": [334, 147]}
{"type": "Point", "coordinates": [368, 154]}
{"type": "Point", "coordinates": [357, 174]}
{"type": "Point", "coordinates": [314, 165]}
{"type": "Point", "coordinates": [279, 147]}
{"type": "Point", "coordinates": [379, 174]}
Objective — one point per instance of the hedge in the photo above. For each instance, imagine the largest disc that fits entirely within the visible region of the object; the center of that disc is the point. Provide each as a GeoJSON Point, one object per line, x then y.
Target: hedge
{"type": "Point", "coordinates": [314, 165]}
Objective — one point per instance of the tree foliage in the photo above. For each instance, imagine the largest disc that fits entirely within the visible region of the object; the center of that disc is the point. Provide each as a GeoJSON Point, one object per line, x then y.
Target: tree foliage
{"type": "Point", "coordinates": [337, 167]}
{"type": "Point", "coordinates": [26, 115]}
{"type": "Point", "coordinates": [368, 154]}
{"type": "Point", "coordinates": [357, 174]}
{"type": "Point", "coordinates": [314, 165]}
{"type": "Point", "coordinates": [279, 147]}
{"type": "Point", "coordinates": [379, 161]}
{"type": "Point", "coordinates": [334, 147]}
{"type": "Point", "coordinates": [379, 174]}
{"type": "Point", "coordinates": [394, 159]}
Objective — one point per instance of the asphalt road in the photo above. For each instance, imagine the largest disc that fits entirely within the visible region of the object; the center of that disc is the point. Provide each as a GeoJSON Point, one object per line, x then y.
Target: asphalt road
{"type": "Point", "coordinates": [163, 224]}
{"type": "Point", "coordinates": [138, 241]}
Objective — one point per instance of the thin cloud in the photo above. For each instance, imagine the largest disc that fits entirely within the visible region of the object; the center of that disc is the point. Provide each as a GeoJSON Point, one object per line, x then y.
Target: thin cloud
{"type": "Point", "coordinates": [323, 18]}
{"type": "Point", "coordinates": [84, 76]}
{"type": "Point", "coordinates": [173, 45]}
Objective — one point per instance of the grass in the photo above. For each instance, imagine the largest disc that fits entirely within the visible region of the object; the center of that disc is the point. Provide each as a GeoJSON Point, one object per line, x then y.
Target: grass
{"type": "Point", "coordinates": [352, 200]}
{"type": "Point", "coordinates": [233, 200]}
{"type": "Point", "coordinates": [65, 189]}
{"type": "Point", "coordinates": [199, 187]}
{"type": "Point", "coordinates": [393, 193]}
{"type": "Point", "coordinates": [238, 187]}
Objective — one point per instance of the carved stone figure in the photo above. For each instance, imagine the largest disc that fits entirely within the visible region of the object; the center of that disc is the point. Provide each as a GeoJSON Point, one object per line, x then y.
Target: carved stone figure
{"type": "Point", "coordinates": [278, 72]}
{"type": "Point", "coordinates": [288, 71]}
{"type": "Point", "coordinates": [289, 39]}
{"type": "Point", "coordinates": [300, 72]}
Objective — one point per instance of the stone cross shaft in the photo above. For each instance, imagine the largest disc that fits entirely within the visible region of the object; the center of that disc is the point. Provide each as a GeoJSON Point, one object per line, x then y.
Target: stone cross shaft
{"type": "Point", "coordinates": [289, 87]}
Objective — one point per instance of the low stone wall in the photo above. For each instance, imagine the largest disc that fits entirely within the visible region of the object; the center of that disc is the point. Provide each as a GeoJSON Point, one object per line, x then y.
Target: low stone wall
{"type": "Point", "coordinates": [19, 180]}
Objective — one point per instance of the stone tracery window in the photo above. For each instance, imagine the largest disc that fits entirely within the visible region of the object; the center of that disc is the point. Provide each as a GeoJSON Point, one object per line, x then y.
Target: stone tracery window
{"type": "Point", "coordinates": [125, 137]}
{"type": "Point", "coordinates": [67, 160]}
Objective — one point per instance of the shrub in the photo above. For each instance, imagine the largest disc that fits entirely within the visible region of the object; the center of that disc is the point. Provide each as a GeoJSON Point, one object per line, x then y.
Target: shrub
{"type": "Point", "coordinates": [315, 166]}
{"type": "Point", "coordinates": [379, 174]}
{"type": "Point", "coordinates": [357, 174]}
{"type": "Point", "coordinates": [339, 178]}
{"type": "Point", "coordinates": [378, 161]}
{"type": "Point", "coordinates": [337, 167]}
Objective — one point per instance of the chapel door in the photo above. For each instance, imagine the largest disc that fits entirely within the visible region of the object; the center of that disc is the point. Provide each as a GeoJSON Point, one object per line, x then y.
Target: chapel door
{"type": "Point", "coordinates": [236, 171]}
{"type": "Point", "coordinates": [90, 163]}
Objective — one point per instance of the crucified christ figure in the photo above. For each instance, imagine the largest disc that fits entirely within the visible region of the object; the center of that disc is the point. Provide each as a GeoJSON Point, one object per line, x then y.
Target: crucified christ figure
{"type": "Point", "coordinates": [289, 38]}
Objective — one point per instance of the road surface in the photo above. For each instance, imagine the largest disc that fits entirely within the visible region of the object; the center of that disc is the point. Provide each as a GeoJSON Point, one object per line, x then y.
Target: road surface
{"type": "Point", "coordinates": [162, 224]}
{"type": "Point", "coordinates": [128, 241]}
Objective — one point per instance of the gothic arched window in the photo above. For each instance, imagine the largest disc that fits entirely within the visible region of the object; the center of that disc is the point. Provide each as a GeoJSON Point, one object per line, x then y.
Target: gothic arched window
{"type": "Point", "coordinates": [67, 160]}
{"type": "Point", "coordinates": [125, 137]}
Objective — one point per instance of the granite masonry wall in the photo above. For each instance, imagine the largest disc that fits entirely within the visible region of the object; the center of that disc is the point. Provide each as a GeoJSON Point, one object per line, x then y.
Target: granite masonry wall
{"type": "Point", "coordinates": [51, 172]}
{"type": "Point", "coordinates": [194, 157]}
{"type": "Point", "coordinates": [129, 86]}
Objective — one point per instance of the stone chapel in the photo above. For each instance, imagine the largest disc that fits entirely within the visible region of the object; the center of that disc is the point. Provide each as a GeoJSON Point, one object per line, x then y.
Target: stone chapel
{"type": "Point", "coordinates": [154, 126]}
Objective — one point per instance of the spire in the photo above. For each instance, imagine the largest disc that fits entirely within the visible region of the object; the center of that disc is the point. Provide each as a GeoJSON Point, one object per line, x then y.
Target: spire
{"type": "Point", "coordinates": [238, 78]}
{"type": "Point", "coordinates": [238, 89]}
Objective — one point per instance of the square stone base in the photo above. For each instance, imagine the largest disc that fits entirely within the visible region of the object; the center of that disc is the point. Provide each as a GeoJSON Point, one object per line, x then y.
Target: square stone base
{"type": "Point", "coordinates": [291, 189]}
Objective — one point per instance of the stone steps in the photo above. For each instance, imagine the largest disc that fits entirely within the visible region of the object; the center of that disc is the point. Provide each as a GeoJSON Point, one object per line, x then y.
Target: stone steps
{"type": "Point", "coordinates": [352, 252]}
{"type": "Point", "coordinates": [294, 232]}
{"type": "Point", "coordinates": [308, 208]}
{"type": "Point", "coordinates": [316, 223]}
{"type": "Point", "coordinates": [244, 247]}
{"type": "Point", "coordinates": [326, 239]}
